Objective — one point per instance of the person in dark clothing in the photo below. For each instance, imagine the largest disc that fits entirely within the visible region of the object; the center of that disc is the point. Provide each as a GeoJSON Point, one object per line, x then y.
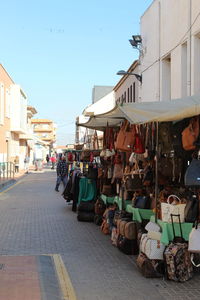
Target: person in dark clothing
{"type": "Point", "coordinates": [62, 172]}
{"type": "Point", "coordinates": [47, 159]}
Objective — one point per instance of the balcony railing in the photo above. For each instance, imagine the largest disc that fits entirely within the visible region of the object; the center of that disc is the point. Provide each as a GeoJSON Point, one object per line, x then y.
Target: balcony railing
{"type": "Point", "coordinates": [7, 170]}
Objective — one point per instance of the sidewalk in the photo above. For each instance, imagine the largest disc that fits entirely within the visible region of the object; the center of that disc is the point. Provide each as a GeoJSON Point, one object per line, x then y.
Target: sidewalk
{"type": "Point", "coordinates": [35, 220]}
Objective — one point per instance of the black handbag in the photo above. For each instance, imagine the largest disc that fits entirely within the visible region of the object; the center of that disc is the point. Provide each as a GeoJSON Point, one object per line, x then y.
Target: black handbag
{"type": "Point", "coordinates": [133, 183]}
{"type": "Point", "coordinates": [92, 173]}
{"type": "Point", "coordinates": [192, 174]}
{"type": "Point", "coordinates": [127, 246]}
{"type": "Point", "coordinates": [87, 206]}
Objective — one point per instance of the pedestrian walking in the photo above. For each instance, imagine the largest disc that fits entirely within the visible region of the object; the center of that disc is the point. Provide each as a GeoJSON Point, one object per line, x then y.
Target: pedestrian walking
{"type": "Point", "coordinates": [62, 173]}
{"type": "Point", "coordinates": [53, 162]}
{"type": "Point", "coordinates": [26, 163]}
{"type": "Point", "coordinates": [47, 159]}
{"type": "Point", "coordinates": [16, 161]}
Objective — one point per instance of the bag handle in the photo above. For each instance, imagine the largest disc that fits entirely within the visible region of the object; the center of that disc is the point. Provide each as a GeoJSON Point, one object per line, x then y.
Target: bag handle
{"type": "Point", "coordinates": [174, 196]}
{"type": "Point", "coordinates": [192, 261]}
{"type": "Point", "coordinates": [179, 219]}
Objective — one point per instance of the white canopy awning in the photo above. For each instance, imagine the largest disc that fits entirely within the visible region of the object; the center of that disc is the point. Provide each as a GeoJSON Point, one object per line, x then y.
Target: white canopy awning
{"type": "Point", "coordinates": [102, 106]}
{"type": "Point", "coordinates": [145, 112]}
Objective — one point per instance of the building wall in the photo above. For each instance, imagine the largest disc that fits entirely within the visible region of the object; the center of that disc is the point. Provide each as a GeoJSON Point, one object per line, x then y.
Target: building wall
{"type": "Point", "coordinates": [127, 89]}
{"type": "Point", "coordinates": [5, 84]}
{"type": "Point", "coordinates": [171, 50]}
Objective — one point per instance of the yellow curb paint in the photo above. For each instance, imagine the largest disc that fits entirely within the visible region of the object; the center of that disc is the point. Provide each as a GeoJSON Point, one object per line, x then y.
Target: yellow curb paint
{"type": "Point", "coordinates": [11, 187]}
{"type": "Point", "coordinates": [64, 279]}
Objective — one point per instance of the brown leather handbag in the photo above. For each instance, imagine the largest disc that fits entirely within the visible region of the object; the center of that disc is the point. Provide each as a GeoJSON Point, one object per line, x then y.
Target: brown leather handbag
{"type": "Point", "coordinates": [190, 134]}
{"type": "Point", "coordinates": [126, 137]}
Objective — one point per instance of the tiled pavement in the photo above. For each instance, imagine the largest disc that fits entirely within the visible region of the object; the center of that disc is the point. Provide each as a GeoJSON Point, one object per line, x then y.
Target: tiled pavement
{"type": "Point", "coordinates": [35, 220]}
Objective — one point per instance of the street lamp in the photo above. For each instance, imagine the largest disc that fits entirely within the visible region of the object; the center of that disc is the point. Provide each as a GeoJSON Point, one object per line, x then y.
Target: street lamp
{"type": "Point", "coordinates": [122, 73]}
{"type": "Point", "coordinates": [136, 43]}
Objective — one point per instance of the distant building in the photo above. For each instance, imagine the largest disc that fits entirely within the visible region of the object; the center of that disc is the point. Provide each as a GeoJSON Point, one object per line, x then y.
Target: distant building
{"type": "Point", "coordinates": [45, 130]}
{"type": "Point", "coordinates": [99, 91]}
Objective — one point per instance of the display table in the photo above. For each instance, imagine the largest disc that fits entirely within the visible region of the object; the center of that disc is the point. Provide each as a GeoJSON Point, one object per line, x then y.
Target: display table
{"type": "Point", "coordinates": [115, 199]}
{"type": "Point", "coordinates": [107, 200]}
{"type": "Point", "coordinates": [139, 214]}
{"type": "Point", "coordinates": [167, 231]}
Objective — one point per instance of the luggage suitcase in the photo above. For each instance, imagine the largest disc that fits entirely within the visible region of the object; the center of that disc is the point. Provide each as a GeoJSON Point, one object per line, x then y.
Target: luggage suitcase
{"type": "Point", "coordinates": [122, 225]}
{"type": "Point", "coordinates": [127, 246]}
{"type": "Point", "coordinates": [114, 236]}
{"type": "Point", "coordinates": [150, 268]}
{"type": "Point", "coordinates": [130, 230]}
{"type": "Point", "coordinates": [86, 206]}
{"type": "Point", "coordinates": [85, 216]}
{"type": "Point", "coordinates": [177, 258]}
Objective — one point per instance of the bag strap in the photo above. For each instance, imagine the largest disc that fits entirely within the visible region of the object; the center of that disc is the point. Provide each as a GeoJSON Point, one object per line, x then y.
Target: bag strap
{"type": "Point", "coordinates": [192, 261]}
{"type": "Point", "coordinates": [174, 196]}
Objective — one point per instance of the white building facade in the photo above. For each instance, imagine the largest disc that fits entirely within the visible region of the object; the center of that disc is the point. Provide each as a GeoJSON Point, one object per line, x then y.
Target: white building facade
{"type": "Point", "coordinates": [169, 65]}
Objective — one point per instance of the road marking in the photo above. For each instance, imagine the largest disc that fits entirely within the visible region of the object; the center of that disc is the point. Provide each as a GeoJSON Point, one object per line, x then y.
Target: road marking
{"type": "Point", "coordinates": [11, 187]}
{"type": "Point", "coordinates": [64, 279]}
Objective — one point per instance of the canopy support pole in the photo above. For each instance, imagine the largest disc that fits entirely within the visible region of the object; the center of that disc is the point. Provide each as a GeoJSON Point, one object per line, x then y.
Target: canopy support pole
{"type": "Point", "coordinates": [156, 174]}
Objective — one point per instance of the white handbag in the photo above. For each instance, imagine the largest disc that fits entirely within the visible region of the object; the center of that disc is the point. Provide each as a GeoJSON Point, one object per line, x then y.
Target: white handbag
{"type": "Point", "coordinates": [154, 235]}
{"type": "Point", "coordinates": [194, 240]}
{"type": "Point", "coordinates": [153, 249]}
{"type": "Point", "coordinates": [176, 209]}
{"type": "Point", "coordinates": [151, 226]}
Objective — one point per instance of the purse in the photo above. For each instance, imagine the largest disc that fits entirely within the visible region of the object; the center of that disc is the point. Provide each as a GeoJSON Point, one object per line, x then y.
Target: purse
{"type": "Point", "coordinates": [126, 137]}
{"type": "Point", "coordinates": [168, 209]}
{"type": "Point", "coordinates": [194, 239]}
{"type": "Point", "coordinates": [107, 190]}
{"type": "Point", "coordinates": [153, 249]}
{"type": "Point", "coordinates": [151, 226]}
{"type": "Point", "coordinates": [190, 134]}
{"type": "Point", "coordinates": [142, 202]}
{"type": "Point", "coordinates": [154, 235]}
{"type": "Point", "coordinates": [133, 182]}
{"type": "Point", "coordinates": [192, 174]}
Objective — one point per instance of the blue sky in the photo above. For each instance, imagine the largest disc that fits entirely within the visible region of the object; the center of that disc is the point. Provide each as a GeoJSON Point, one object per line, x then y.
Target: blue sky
{"type": "Point", "coordinates": [58, 50]}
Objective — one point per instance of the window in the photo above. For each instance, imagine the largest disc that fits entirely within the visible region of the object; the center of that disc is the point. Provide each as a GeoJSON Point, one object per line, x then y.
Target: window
{"type": "Point", "coordinates": [125, 97]}
{"type": "Point", "coordinates": [184, 70]}
{"type": "Point", "coordinates": [1, 103]}
{"type": "Point", "coordinates": [166, 78]}
{"type": "Point", "coordinates": [8, 96]}
{"type": "Point", "coordinates": [131, 93]}
{"type": "Point", "coordinates": [128, 96]}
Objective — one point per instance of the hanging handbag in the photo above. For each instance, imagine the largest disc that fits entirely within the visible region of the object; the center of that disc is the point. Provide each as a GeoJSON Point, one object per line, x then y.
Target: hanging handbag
{"type": "Point", "coordinates": [133, 182]}
{"type": "Point", "coordinates": [107, 190]}
{"type": "Point", "coordinates": [192, 174]}
{"type": "Point", "coordinates": [117, 172]}
{"type": "Point", "coordinates": [176, 209]}
{"type": "Point", "coordinates": [190, 134]}
{"type": "Point", "coordinates": [126, 137]}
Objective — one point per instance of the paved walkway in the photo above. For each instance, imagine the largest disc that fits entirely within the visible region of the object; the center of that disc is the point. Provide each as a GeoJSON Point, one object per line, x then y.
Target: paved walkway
{"type": "Point", "coordinates": [35, 220]}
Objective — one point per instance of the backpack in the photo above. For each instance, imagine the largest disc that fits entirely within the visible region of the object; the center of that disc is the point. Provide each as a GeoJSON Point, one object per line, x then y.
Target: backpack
{"type": "Point", "coordinates": [99, 207]}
